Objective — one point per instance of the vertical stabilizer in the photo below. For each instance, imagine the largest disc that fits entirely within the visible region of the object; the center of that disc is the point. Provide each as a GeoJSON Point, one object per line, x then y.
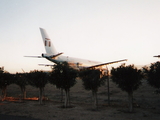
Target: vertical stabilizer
{"type": "Point", "coordinates": [50, 49]}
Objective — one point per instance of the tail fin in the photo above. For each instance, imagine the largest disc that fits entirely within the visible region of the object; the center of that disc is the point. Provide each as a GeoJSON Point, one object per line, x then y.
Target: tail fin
{"type": "Point", "coordinates": [50, 49]}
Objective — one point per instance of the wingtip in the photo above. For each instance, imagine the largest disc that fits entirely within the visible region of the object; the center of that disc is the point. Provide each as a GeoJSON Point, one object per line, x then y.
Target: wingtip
{"type": "Point", "coordinates": [125, 60]}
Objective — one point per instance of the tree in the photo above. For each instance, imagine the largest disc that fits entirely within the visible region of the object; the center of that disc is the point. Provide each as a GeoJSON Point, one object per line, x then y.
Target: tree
{"type": "Point", "coordinates": [107, 74]}
{"type": "Point", "coordinates": [5, 79]}
{"type": "Point", "coordinates": [153, 74]}
{"type": "Point", "coordinates": [64, 77]}
{"type": "Point", "coordinates": [128, 78]}
{"type": "Point", "coordinates": [38, 79]}
{"type": "Point", "coordinates": [21, 80]}
{"type": "Point", "coordinates": [92, 80]}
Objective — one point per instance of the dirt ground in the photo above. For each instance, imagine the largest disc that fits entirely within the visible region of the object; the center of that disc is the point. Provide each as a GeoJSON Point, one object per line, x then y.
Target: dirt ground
{"type": "Point", "coordinates": [146, 104]}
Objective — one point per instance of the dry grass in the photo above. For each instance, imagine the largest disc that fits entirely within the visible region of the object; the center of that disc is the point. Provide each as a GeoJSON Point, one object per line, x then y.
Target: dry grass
{"type": "Point", "coordinates": [146, 104]}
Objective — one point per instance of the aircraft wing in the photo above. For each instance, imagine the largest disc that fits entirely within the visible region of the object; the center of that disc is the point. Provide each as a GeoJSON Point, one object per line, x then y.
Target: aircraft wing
{"type": "Point", "coordinates": [107, 63]}
{"type": "Point", "coordinates": [46, 65]}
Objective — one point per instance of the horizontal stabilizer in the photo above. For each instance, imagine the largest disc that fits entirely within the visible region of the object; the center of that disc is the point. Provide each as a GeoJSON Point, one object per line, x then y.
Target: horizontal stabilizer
{"type": "Point", "coordinates": [157, 56]}
{"type": "Point", "coordinates": [34, 56]}
{"type": "Point", "coordinates": [53, 56]}
{"type": "Point", "coordinates": [107, 63]}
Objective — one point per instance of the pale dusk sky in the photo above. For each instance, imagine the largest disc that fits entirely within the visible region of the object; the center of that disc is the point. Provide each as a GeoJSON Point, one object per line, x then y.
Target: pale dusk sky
{"type": "Point", "coordinates": [100, 30]}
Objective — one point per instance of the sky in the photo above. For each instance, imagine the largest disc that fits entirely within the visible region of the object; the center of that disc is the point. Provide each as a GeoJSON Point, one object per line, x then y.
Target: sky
{"type": "Point", "coordinates": [100, 30]}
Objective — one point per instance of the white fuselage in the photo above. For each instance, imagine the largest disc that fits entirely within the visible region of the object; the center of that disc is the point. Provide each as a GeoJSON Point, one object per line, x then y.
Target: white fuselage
{"type": "Point", "coordinates": [74, 62]}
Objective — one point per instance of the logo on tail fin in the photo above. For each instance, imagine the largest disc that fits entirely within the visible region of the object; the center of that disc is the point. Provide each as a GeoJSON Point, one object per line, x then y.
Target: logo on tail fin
{"type": "Point", "coordinates": [47, 42]}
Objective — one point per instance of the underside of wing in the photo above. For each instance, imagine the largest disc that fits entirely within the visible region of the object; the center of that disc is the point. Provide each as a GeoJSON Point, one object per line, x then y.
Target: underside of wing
{"type": "Point", "coordinates": [106, 63]}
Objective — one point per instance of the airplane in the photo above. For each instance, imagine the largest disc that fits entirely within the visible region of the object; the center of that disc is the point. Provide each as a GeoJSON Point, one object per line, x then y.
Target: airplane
{"type": "Point", "coordinates": [56, 57]}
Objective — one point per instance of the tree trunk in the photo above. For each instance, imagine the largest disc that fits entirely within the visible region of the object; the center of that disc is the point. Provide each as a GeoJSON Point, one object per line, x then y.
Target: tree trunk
{"type": "Point", "coordinates": [130, 98]}
{"type": "Point", "coordinates": [66, 98]}
{"type": "Point", "coordinates": [61, 94]}
{"type": "Point", "coordinates": [24, 94]}
{"type": "Point", "coordinates": [40, 95]}
{"type": "Point", "coordinates": [95, 100]}
{"type": "Point", "coordinates": [23, 90]}
{"type": "Point", "coordinates": [108, 91]}
{"type": "Point", "coordinates": [4, 94]}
